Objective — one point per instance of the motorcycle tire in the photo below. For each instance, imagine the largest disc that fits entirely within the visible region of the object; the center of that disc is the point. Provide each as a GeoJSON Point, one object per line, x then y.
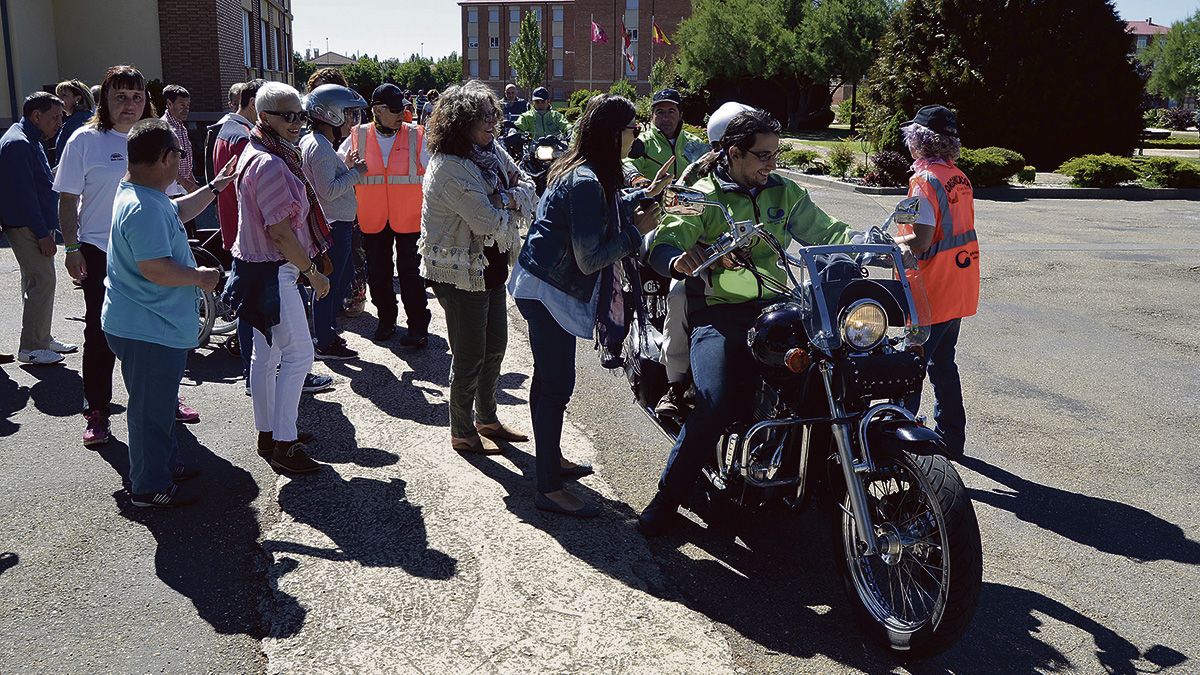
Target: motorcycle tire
{"type": "Point", "coordinates": [947, 523]}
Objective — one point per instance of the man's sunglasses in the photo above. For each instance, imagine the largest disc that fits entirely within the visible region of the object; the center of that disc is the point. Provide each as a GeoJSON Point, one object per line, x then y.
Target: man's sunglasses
{"type": "Point", "coordinates": [765, 156]}
{"type": "Point", "coordinates": [289, 117]}
{"type": "Point", "coordinates": [179, 151]}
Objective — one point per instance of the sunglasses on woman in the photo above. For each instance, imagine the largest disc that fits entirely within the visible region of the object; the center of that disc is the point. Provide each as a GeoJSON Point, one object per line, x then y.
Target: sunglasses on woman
{"type": "Point", "coordinates": [289, 116]}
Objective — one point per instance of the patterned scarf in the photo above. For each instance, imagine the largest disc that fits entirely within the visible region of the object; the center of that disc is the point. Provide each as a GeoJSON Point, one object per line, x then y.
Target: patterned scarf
{"type": "Point", "coordinates": [276, 145]}
{"type": "Point", "coordinates": [488, 162]}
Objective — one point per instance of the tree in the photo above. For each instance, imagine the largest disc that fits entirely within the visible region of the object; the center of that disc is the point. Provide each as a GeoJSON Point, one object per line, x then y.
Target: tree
{"type": "Point", "coordinates": [363, 76]}
{"type": "Point", "coordinates": [301, 69]}
{"type": "Point", "coordinates": [416, 73]}
{"type": "Point", "coordinates": [447, 71]}
{"type": "Point", "coordinates": [664, 75]}
{"type": "Point", "coordinates": [1049, 80]}
{"type": "Point", "coordinates": [527, 55]}
{"type": "Point", "coordinates": [1174, 60]}
{"type": "Point", "coordinates": [780, 54]}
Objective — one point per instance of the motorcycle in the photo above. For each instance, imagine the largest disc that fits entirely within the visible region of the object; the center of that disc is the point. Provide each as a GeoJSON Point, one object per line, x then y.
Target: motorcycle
{"type": "Point", "coordinates": [828, 427]}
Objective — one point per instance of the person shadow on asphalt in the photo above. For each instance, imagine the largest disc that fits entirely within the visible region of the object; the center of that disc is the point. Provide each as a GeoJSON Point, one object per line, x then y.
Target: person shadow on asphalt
{"type": "Point", "coordinates": [209, 551]}
{"type": "Point", "coordinates": [765, 585]}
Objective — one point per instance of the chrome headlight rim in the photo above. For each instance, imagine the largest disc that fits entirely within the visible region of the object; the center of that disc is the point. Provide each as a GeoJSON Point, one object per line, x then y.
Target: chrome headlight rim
{"type": "Point", "coordinates": [849, 311]}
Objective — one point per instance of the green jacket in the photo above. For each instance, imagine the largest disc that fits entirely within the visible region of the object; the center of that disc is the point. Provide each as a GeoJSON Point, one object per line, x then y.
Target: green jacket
{"type": "Point", "coordinates": [688, 148]}
{"type": "Point", "coordinates": [538, 124]}
{"type": "Point", "coordinates": [782, 206]}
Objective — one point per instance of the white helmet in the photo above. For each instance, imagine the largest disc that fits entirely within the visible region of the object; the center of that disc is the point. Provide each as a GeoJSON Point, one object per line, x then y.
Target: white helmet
{"type": "Point", "coordinates": [721, 118]}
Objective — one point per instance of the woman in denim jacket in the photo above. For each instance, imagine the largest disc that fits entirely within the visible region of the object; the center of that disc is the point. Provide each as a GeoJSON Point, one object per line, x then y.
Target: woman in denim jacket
{"type": "Point", "coordinates": [583, 226]}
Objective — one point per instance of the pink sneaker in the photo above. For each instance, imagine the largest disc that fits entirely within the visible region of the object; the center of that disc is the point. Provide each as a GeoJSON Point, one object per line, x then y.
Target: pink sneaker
{"type": "Point", "coordinates": [186, 414]}
{"type": "Point", "coordinates": [96, 432]}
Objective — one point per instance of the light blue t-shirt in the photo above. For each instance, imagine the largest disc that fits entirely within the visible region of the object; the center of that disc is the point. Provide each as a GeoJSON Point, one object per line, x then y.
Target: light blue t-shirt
{"type": "Point", "coordinates": [146, 226]}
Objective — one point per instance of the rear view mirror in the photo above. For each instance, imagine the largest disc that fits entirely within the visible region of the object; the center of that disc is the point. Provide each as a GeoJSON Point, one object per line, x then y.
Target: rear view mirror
{"type": "Point", "coordinates": [683, 201]}
{"type": "Point", "coordinates": [907, 210]}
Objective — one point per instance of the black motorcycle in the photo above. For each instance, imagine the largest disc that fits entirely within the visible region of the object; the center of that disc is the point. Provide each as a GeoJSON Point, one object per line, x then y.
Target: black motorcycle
{"type": "Point", "coordinates": [828, 422]}
{"type": "Point", "coordinates": [533, 156]}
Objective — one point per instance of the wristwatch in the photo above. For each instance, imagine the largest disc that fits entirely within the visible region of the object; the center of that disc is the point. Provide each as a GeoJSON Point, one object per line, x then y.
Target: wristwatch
{"type": "Point", "coordinates": [213, 188]}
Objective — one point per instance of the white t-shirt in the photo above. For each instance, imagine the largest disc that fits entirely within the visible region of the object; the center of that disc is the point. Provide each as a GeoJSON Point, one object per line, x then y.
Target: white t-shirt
{"type": "Point", "coordinates": [92, 166]}
{"type": "Point", "coordinates": [385, 147]}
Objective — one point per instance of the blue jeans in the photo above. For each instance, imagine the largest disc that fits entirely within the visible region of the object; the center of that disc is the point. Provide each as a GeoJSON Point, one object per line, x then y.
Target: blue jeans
{"type": "Point", "coordinates": [326, 309]}
{"type": "Point", "coordinates": [152, 373]}
{"type": "Point", "coordinates": [550, 391]}
{"type": "Point", "coordinates": [725, 377]}
{"type": "Point", "coordinates": [948, 411]}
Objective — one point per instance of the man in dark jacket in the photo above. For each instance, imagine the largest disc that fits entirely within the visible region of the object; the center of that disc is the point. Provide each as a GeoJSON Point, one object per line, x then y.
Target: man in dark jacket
{"type": "Point", "coordinates": [29, 214]}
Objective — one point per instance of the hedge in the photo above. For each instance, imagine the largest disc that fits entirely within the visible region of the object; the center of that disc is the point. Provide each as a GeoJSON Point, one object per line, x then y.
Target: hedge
{"type": "Point", "coordinates": [987, 167]}
{"type": "Point", "coordinates": [1173, 144]}
{"type": "Point", "coordinates": [1099, 170]}
{"type": "Point", "coordinates": [1168, 172]}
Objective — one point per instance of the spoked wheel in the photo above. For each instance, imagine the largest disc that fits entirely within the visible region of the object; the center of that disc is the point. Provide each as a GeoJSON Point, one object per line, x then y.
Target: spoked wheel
{"type": "Point", "coordinates": [919, 592]}
{"type": "Point", "coordinates": [224, 321]}
{"type": "Point", "coordinates": [208, 314]}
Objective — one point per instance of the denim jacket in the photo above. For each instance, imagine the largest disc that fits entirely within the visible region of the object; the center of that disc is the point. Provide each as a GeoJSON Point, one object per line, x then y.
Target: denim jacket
{"type": "Point", "coordinates": [576, 233]}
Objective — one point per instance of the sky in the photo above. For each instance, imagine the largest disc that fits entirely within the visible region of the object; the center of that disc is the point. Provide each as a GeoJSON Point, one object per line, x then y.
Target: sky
{"type": "Point", "coordinates": [398, 28]}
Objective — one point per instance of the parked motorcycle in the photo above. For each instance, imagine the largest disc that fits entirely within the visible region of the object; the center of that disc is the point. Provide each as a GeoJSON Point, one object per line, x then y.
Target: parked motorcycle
{"type": "Point", "coordinates": [828, 423]}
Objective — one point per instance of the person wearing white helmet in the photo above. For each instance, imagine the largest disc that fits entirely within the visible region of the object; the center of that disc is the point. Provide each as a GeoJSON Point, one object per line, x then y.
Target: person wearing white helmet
{"type": "Point", "coordinates": [333, 110]}
{"type": "Point", "coordinates": [675, 354]}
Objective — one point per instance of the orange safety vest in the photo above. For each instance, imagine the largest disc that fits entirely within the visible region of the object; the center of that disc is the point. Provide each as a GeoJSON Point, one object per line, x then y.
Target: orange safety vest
{"type": "Point", "coordinates": [390, 196]}
{"type": "Point", "coordinates": [950, 268]}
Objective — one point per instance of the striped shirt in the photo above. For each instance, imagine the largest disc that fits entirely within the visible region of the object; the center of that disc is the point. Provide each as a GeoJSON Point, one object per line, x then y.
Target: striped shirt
{"type": "Point", "coordinates": [268, 193]}
{"type": "Point", "coordinates": [185, 158]}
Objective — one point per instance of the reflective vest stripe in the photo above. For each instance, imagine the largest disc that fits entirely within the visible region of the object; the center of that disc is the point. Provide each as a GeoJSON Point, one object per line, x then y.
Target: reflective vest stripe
{"type": "Point", "coordinates": [412, 155]}
{"type": "Point", "coordinates": [948, 243]}
{"type": "Point", "coordinates": [944, 217]}
{"type": "Point", "coordinates": [362, 141]}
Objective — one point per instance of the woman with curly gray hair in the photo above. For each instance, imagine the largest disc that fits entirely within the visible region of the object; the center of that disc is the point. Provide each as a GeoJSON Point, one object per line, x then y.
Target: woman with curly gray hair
{"type": "Point", "coordinates": [475, 202]}
{"type": "Point", "coordinates": [944, 242]}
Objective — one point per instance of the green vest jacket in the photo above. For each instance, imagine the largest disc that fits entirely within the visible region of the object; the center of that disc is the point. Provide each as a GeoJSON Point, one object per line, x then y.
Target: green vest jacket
{"type": "Point", "coordinates": [538, 124]}
{"type": "Point", "coordinates": [688, 148]}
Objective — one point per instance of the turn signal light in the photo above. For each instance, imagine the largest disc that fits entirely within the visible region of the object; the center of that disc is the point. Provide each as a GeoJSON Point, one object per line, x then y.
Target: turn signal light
{"type": "Point", "coordinates": [919, 350]}
{"type": "Point", "coordinates": [796, 360]}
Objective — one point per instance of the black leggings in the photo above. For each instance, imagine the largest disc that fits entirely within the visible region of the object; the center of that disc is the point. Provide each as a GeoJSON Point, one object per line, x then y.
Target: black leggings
{"type": "Point", "coordinates": [98, 359]}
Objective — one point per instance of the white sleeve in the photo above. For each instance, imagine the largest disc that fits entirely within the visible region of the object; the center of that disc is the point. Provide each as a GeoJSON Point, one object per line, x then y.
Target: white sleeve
{"type": "Point", "coordinates": [926, 214]}
{"type": "Point", "coordinates": [344, 148]}
{"type": "Point", "coordinates": [424, 152]}
{"type": "Point", "coordinates": [71, 172]}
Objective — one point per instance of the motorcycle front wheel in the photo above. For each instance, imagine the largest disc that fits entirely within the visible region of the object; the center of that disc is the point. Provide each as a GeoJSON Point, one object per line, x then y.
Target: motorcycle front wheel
{"type": "Point", "coordinates": [917, 595]}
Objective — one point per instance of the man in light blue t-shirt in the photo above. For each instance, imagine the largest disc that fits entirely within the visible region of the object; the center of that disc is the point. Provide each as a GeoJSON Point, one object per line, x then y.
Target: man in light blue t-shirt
{"type": "Point", "coordinates": [150, 315]}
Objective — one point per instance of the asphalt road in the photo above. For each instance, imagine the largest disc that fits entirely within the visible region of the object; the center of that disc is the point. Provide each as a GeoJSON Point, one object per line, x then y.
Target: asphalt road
{"type": "Point", "coordinates": [1081, 375]}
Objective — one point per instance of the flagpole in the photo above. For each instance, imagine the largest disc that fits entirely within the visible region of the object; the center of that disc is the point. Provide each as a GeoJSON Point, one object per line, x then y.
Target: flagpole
{"type": "Point", "coordinates": [653, 35]}
{"type": "Point", "coordinates": [591, 43]}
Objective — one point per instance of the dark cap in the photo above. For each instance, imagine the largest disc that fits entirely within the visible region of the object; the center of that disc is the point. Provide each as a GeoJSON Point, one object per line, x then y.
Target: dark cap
{"type": "Point", "coordinates": [936, 118]}
{"type": "Point", "coordinates": [667, 96]}
{"type": "Point", "coordinates": [388, 94]}
{"type": "Point", "coordinates": [541, 94]}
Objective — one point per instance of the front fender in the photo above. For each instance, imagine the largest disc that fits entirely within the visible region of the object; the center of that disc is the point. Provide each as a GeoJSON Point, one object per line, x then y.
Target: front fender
{"type": "Point", "coordinates": [900, 434]}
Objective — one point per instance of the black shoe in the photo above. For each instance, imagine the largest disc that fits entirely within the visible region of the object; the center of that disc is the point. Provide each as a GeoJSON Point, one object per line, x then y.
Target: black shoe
{"type": "Point", "coordinates": [414, 340]}
{"type": "Point", "coordinates": [671, 404]}
{"type": "Point", "coordinates": [182, 472]}
{"type": "Point", "coordinates": [660, 515]}
{"type": "Point", "coordinates": [162, 500]}
{"type": "Point", "coordinates": [384, 332]}
{"type": "Point", "coordinates": [577, 471]}
{"type": "Point", "coordinates": [266, 442]}
{"type": "Point", "coordinates": [544, 503]}
{"type": "Point", "coordinates": [290, 456]}
{"type": "Point", "coordinates": [336, 351]}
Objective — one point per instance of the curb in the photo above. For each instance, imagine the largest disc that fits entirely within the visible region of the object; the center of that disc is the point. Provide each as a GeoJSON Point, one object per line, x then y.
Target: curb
{"type": "Point", "coordinates": [1015, 194]}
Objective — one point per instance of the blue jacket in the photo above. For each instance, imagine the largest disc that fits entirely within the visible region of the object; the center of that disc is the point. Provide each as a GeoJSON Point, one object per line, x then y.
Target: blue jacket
{"type": "Point", "coordinates": [27, 198]}
{"type": "Point", "coordinates": [70, 125]}
{"type": "Point", "coordinates": [576, 233]}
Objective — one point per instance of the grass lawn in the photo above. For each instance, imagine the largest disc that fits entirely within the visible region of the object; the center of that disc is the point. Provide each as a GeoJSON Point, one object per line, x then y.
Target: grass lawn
{"type": "Point", "coordinates": [822, 138]}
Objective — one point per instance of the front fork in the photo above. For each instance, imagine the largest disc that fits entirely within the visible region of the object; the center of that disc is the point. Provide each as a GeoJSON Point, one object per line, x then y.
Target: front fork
{"type": "Point", "coordinates": [851, 466]}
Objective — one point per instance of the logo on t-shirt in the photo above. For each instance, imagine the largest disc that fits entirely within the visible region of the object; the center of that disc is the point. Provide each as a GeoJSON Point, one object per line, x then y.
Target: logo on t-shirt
{"type": "Point", "coordinates": [116, 157]}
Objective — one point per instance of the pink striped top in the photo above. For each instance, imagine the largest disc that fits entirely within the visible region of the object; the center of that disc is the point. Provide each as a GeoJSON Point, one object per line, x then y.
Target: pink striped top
{"type": "Point", "coordinates": [267, 193]}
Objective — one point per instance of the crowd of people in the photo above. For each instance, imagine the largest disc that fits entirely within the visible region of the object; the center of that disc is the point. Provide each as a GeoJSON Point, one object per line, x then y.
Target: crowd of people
{"type": "Point", "coordinates": [320, 194]}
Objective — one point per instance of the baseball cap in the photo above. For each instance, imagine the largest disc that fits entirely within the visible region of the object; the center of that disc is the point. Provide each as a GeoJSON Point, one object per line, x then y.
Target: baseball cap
{"type": "Point", "coordinates": [667, 96]}
{"type": "Point", "coordinates": [388, 94]}
{"type": "Point", "coordinates": [720, 119]}
{"type": "Point", "coordinates": [541, 94]}
{"type": "Point", "coordinates": [936, 118]}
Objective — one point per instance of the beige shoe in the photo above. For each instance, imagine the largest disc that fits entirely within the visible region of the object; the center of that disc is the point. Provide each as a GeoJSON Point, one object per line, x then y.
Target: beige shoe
{"type": "Point", "coordinates": [476, 445]}
{"type": "Point", "coordinates": [499, 432]}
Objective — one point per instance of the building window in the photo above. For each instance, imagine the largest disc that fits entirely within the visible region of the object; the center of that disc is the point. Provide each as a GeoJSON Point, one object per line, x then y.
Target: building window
{"type": "Point", "coordinates": [557, 13]}
{"type": "Point", "coordinates": [558, 94]}
{"type": "Point", "coordinates": [473, 68]}
{"type": "Point", "coordinates": [558, 68]}
{"type": "Point", "coordinates": [246, 38]}
{"type": "Point", "coordinates": [494, 73]}
{"type": "Point", "coordinates": [1142, 41]}
{"type": "Point", "coordinates": [472, 15]}
{"type": "Point", "coordinates": [558, 41]}
{"type": "Point", "coordinates": [473, 43]}
{"type": "Point", "coordinates": [537, 11]}
{"type": "Point", "coordinates": [494, 14]}
{"type": "Point", "coordinates": [633, 35]}
{"type": "Point", "coordinates": [279, 51]}
{"type": "Point", "coordinates": [514, 15]}
{"type": "Point", "coordinates": [631, 4]}
{"type": "Point", "coordinates": [262, 37]}
{"type": "Point", "coordinates": [512, 39]}
{"type": "Point", "coordinates": [494, 42]}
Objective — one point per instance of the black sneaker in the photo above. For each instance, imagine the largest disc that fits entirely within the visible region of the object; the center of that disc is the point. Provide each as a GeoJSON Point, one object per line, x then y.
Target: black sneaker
{"type": "Point", "coordinates": [266, 444]}
{"type": "Point", "coordinates": [384, 332]}
{"type": "Point", "coordinates": [414, 340]}
{"type": "Point", "coordinates": [290, 456]}
{"type": "Point", "coordinates": [161, 500]}
{"type": "Point", "coordinates": [183, 472]}
{"type": "Point", "coordinates": [335, 352]}
{"type": "Point", "coordinates": [314, 383]}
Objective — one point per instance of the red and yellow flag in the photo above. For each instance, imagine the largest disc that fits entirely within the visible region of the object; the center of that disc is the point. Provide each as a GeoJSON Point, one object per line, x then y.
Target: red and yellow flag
{"type": "Point", "coordinates": [660, 38]}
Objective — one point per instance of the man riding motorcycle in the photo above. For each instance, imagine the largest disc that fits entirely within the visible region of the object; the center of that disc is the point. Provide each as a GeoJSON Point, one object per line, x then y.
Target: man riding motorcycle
{"type": "Point", "coordinates": [723, 310]}
{"type": "Point", "coordinates": [542, 121]}
{"type": "Point", "coordinates": [664, 139]}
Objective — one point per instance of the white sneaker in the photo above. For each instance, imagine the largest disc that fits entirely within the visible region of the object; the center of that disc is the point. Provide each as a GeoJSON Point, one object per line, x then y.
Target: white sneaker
{"type": "Point", "coordinates": [39, 357]}
{"type": "Point", "coordinates": [62, 347]}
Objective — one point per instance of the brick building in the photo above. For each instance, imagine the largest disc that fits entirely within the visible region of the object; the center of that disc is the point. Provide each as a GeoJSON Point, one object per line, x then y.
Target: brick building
{"type": "Point", "coordinates": [203, 45]}
{"type": "Point", "coordinates": [573, 62]}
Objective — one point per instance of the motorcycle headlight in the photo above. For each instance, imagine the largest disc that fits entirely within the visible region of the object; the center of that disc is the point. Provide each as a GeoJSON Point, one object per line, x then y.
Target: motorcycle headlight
{"type": "Point", "coordinates": [545, 153]}
{"type": "Point", "coordinates": [864, 324]}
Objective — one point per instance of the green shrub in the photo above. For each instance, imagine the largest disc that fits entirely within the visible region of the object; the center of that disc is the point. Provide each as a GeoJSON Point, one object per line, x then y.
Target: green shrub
{"type": "Point", "coordinates": [860, 170]}
{"type": "Point", "coordinates": [1173, 143]}
{"type": "Point", "coordinates": [797, 159]}
{"type": "Point", "coordinates": [1169, 172]}
{"type": "Point", "coordinates": [580, 97]}
{"type": "Point", "coordinates": [888, 136]}
{"type": "Point", "coordinates": [842, 112]}
{"type": "Point", "coordinates": [572, 114]}
{"type": "Point", "coordinates": [642, 107]}
{"type": "Point", "coordinates": [623, 87]}
{"type": "Point", "coordinates": [986, 167]}
{"type": "Point", "coordinates": [888, 169]}
{"type": "Point", "coordinates": [818, 167]}
{"type": "Point", "coordinates": [700, 132]}
{"type": "Point", "coordinates": [1027, 175]}
{"type": "Point", "coordinates": [1155, 118]}
{"type": "Point", "coordinates": [1099, 170]}
{"type": "Point", "coordinates": [841, 158]}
